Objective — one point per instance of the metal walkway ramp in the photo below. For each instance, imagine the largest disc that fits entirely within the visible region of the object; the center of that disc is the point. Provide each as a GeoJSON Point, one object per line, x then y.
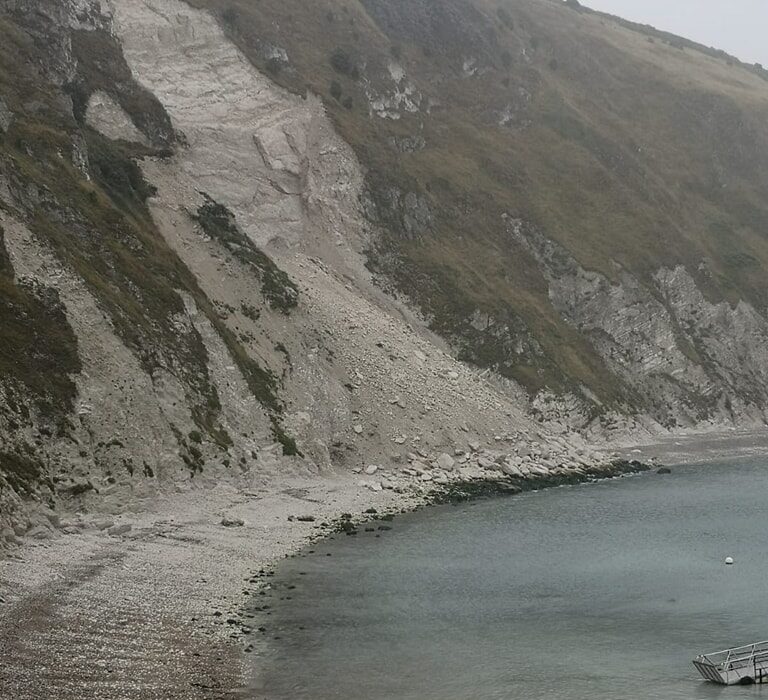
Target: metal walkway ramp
{"type": "Point", "coordinates": [738, 666]}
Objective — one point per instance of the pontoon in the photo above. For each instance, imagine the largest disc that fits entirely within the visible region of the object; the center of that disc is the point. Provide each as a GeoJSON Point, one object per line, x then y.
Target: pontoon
{"type": "Point", "coordinates": [738, 666]}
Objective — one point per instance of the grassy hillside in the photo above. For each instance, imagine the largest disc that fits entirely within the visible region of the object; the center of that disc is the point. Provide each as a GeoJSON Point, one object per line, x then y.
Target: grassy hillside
{"type": "Point", "coordinates": [630, 147]}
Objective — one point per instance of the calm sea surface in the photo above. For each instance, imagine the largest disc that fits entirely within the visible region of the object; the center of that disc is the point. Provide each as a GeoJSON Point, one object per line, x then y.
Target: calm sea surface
{"type": "Point", "coordinates": [601, 591]}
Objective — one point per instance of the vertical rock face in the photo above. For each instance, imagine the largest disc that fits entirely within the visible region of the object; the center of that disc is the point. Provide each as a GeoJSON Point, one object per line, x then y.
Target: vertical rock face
{"type": "Point", "coordinates": [688, 361]}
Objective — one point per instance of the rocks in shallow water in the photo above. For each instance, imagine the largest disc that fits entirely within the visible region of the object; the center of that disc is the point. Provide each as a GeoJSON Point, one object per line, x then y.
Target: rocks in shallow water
{"type": "Point", "coordinates": [664, 470]}
{"type": "Point", "coordinates": [232, 522]}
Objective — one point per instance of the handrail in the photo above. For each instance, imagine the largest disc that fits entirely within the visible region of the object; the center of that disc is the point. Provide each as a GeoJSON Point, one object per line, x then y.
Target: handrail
{"type": "Point", "coordinates": [737, 657]}
{"type": "Point", "coordinates": [733, 649]}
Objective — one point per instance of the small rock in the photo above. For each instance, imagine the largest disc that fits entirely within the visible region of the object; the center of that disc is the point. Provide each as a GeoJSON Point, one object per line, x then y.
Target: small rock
{"type": "Point", "coordinates": [453, 375]}
{"type": "Point", "coordinates": [39, 533]}
{"type": "Point", "coordinates": [6, 116]}
{"type": "Point", "coordinates": [445, 462]}
{"type": "Point", "coordinates": [358, 429]}
{"type": "Point", "coordinates": [474, 445]}
{"type": "Point", "coordinates": [9, 536]}
{"type": "Point", "coordinates": [232, 522]}
{"type": "Point", "coordinates": [103, 524]}
{"type": "Point", "coordinates": [118, 530]}
{"type": "Point", "coordinates": [400, 440]}
{"type": "Point", "coordinates": [305, 518]}
{"type": "Point", "coordinates": [511, 470]}
{"type": "Point", "coordinates": [371, 469]}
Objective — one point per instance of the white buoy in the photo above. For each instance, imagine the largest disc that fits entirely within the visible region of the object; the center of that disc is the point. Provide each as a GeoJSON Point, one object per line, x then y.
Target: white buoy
{"type": "Point", "coordinates": [729, 560]}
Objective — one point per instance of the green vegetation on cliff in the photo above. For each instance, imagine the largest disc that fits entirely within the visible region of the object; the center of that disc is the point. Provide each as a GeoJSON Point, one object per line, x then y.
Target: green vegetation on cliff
{"type": "Point", "coordinates": [632, 148]}
{"type": "Point", "coordinates": [84, 197]}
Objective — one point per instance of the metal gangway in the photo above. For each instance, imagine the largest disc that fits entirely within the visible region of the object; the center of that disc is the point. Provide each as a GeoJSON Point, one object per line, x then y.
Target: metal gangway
{"type": "Point", "coordinates": [738, 666]}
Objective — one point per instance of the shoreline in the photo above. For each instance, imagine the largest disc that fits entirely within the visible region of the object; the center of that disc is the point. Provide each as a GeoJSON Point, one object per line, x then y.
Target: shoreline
{"type": "Point", "coordinates": [698, 448]}
{"type": "Point", "coordinates": [178, 584]}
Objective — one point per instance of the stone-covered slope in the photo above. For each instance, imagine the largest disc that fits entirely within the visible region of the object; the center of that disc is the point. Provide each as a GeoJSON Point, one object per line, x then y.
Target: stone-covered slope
{"type": "Point", "coordinates": [640, 156]}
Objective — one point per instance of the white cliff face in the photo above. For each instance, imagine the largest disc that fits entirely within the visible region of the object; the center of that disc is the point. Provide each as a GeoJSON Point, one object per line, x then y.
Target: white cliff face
{"type": "Point", "coordinates": [357, 359]}
{"type": "Point", "coordinates": [247, 142]}
{"type": "Point", "coordinates": [690, 361]}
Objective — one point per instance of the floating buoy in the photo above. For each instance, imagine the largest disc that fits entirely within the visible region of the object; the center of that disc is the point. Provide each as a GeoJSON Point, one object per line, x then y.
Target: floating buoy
{"type": "Point", "coordinates": [729, 560]}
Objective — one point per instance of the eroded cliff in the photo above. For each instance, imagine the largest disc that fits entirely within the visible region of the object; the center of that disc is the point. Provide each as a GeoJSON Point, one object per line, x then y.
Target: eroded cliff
{"type": "Point", "coordinates": [424, 241]}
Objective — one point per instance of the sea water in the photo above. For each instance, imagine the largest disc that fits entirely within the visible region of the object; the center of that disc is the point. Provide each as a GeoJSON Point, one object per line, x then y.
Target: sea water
{"type": "Point", "coordinates": [598, 591]}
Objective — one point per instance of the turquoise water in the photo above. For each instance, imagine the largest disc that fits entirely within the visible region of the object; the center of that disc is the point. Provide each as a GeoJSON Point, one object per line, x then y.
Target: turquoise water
{"type": "Point", "coordinates": [601, 591]}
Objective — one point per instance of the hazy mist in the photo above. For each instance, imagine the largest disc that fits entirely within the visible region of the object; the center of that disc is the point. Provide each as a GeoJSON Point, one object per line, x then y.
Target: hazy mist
{"type": "Point", "coordinates": [737, 26]}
